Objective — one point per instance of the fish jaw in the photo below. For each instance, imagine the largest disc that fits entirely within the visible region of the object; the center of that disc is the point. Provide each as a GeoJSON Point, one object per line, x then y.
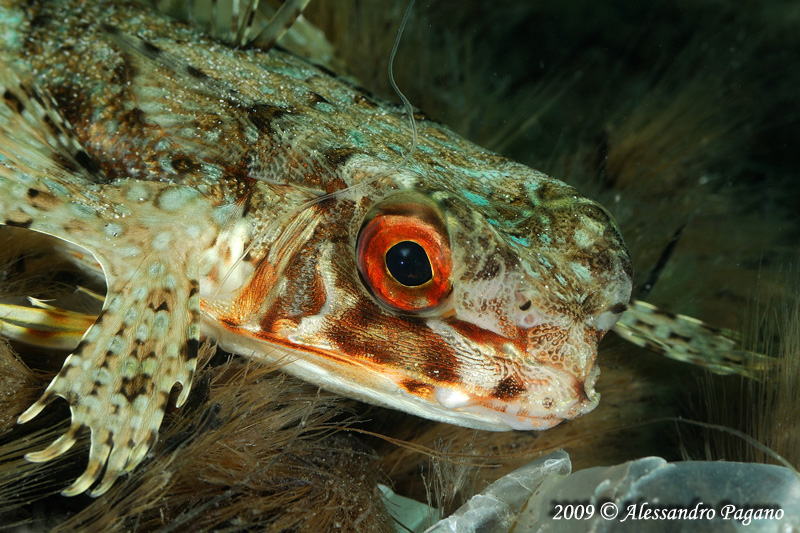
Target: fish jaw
{"type": "Point", "coordinates": [494, 386]}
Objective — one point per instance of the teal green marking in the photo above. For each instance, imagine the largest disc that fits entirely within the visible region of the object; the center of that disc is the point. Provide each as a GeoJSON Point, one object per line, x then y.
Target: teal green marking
{"type": "Point", "coordinates": [212, 171]}
{"type": "Point", "coordinates": [55, 187]}
{"type": "Point", "coordinates": [476, 199]}
{"type": "Point", "coordinates": [531, 189]}
{"type": "Point", "coordinates": [358, 138]}
{"type": "Point", "coordinates": [81, 210]}
{"type": "Point", "coordinates": [325, 107]}
{"type": "Point", "coordinates": [524, 241]}
{"type": "Point", "coordinates": [395, 148]}
{"type": "Point", "coordinates": [12, 19]}
{"type": "Point", "coordinates": [292, 72]}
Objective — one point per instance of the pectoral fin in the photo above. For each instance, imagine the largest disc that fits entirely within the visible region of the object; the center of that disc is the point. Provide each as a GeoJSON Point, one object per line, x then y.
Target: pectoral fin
{"type": "Point", "coordinates": [119, 378]}
{"type": "Point", "coordinates": [687, 339]}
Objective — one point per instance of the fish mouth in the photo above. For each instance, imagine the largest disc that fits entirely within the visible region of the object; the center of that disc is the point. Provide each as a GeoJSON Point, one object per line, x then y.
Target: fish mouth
{"type": "Point", "coordinates": [532, 378]}
{"type": "Point", "coordinates": [551, 397]}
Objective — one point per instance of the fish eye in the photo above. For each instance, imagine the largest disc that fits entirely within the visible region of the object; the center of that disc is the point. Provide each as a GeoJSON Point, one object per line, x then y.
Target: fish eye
{"type": "Point", "coordinates": [403, 256]}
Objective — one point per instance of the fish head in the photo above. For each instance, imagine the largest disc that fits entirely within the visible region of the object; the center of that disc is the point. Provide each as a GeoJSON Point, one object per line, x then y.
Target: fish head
{"type": "Point", "coordinates": [478, 302]}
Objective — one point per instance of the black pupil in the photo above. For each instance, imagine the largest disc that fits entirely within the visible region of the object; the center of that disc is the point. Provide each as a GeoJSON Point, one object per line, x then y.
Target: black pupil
{"type": "Point", "coordinates": [409, 264]}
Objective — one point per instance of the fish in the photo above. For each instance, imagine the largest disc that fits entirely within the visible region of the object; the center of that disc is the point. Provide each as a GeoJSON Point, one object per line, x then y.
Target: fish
{"type": "Point", "coordinates": [249, 196]}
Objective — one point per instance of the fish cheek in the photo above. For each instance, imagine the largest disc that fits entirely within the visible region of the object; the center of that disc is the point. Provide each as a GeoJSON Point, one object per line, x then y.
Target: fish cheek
{"type": "Point", "coordinates": [401, 344]}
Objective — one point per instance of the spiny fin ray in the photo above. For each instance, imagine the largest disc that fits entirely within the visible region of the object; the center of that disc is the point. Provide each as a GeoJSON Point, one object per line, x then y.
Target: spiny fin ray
{"type": "Point", "coordinates": [45, 326]}
{"type": "Point", "coordinates": [37, 139]}
{"type": "Point", "coordinates": [58, 447]}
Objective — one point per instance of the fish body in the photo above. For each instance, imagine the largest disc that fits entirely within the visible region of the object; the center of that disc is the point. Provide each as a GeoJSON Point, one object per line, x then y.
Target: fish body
{"type": "Point", "coordinates": [252, 197]}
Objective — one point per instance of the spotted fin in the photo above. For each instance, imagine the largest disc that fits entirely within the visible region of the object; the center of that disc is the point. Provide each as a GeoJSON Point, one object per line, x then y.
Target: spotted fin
{"type": "Point", "coordinates": [119, 378]}
{"type": "Point", "coordinates": [233, 22]}
{"type": "Point", "coordinates": [184, 102]}
{"type": "Point", "coordinates": [187, 100]}
{"type": "Point", "coordinates": [687, 339]}
{"type": "Point", "coordinates": [38, 144]}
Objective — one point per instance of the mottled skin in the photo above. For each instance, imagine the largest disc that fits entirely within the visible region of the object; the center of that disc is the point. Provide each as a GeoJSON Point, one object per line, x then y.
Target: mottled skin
{"type": "Point", "coordinates": [225, 190]}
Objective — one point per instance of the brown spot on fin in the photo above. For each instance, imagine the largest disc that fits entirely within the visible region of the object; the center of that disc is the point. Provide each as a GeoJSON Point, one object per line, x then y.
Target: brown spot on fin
{"type": "Point", "coordinates": [262, 115]}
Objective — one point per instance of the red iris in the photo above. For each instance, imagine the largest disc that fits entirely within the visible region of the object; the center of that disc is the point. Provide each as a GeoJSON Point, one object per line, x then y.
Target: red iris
{"type": "Point", "coordinates": [405, 261]}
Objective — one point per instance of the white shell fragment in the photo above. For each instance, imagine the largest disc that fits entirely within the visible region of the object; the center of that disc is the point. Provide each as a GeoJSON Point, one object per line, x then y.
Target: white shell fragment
{"type": "Point", "coordinates": [649, 495]}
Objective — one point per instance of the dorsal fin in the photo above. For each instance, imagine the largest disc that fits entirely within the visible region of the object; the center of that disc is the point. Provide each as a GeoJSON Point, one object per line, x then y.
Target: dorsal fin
{"type": "Point", "coordinates": [256, 24]}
